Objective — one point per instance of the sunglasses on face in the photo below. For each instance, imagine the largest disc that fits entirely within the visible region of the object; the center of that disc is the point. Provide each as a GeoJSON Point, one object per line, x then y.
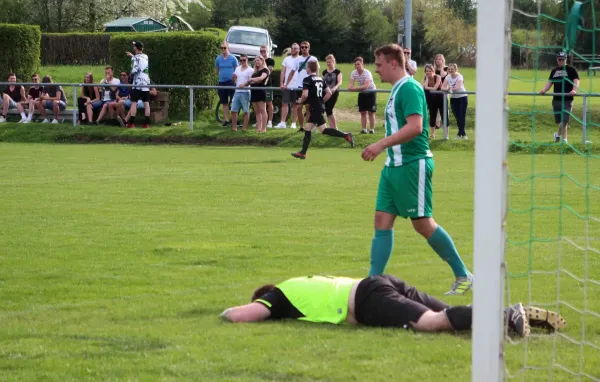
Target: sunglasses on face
{"type": "Point", "coordinates": [223, 47]}
{"type": "Point", "coordinates": [243, 60]}
{"type": "Point", "coordinates": [263, 51]}
{"type": "Point", "coordinates": [35, 79]}
{"type": "Point", "coordinates": [304, 47]}
{"type": "Point", "coordinates": [560, 59]}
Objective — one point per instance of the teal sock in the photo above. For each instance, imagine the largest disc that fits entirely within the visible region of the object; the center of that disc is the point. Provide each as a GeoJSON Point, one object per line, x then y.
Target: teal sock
{"type": "Point", "coordinates": [443, 245]}
{"type": "Point", "coordinates": [381, 250]}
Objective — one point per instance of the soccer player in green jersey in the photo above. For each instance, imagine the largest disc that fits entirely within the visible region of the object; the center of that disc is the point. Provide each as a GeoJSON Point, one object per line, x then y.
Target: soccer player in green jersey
{"type": "Point", "coordinates": [405, 187]}
{"type": "Point", "coordinates": [379, 301]}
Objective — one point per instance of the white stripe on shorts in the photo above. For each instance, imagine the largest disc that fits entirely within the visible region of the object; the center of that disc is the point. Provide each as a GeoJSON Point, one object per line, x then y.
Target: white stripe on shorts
{"type": "Point", "coordinates": [421, 206]}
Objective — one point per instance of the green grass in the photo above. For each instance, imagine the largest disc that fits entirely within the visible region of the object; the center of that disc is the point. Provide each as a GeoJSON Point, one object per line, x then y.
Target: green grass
{"type": "Point", "coordinates": [116, 261]}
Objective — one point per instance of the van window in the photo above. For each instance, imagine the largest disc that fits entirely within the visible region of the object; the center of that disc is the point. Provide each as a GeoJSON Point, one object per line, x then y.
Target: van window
{"type": "Point", "coordinates": [247, 38]}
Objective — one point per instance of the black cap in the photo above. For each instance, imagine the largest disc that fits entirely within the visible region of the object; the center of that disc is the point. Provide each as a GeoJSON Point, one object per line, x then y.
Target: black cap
{"type": "Point", "coordinates": [561, 54]}
{"type": "Point", "coordinates": [139, 45]}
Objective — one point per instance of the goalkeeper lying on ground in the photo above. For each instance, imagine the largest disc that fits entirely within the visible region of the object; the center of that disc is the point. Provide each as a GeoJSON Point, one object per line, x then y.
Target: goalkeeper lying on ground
{"type": "Point", "coordinates": [383, 301]}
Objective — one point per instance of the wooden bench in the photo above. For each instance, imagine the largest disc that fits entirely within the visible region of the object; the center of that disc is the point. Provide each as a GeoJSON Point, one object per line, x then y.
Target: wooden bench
{"type": "Point", "coordinates": [590, 60]}
{"type": "Point", "coordinates": [159, 110]}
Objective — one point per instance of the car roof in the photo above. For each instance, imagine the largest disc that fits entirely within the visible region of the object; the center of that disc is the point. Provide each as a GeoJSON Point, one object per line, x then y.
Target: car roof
{"type": "Point", "coordinates": [251, 29]}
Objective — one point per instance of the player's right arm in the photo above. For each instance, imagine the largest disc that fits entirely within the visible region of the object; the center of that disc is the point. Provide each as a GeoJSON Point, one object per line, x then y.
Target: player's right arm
{"type": "Point", "coordinates": [282, 82]}
{"type": "Point", "coordinates": [327, 95]}
{"type": "Point", "coordinates": [305, 87]}
{"type": "Point", "coordinates": [247, 313]}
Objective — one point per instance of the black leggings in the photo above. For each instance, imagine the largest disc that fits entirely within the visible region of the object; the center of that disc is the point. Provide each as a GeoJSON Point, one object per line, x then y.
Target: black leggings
{"type": "Point", "coordinates": [81, 107]}
{"type": "Point", "coordinates": [330, 104]}
{"type": "Point", "coordinates": [459, 109]}
{"type": "Point", "coordinates": [387, 301]}
{"type": "Point", "coordinates": [435, 106]}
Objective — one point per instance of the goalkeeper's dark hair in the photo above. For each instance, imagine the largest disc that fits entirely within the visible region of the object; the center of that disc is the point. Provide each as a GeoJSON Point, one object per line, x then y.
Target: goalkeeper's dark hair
{"type": "Point", "coordinates": [259, 292]}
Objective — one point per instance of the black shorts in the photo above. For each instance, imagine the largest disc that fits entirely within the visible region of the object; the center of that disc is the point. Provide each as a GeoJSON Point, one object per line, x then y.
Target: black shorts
{"type": "Point", "coordinates": [367, 102]}
{"type": "Point", "coordinates": [562, 112]}
{"type": "Point", "coordinates": [258, 96]}
{"type": "Point", "coordinates": [226, 95]}
{"type": "Point", "coordinates": [330, 104]}
{"type": "Point", "coordinates": [387, 301]}
{"type": "Point", "coordinates": [316, 117]}
{"type": "Point", "coordinates": [140, 95]}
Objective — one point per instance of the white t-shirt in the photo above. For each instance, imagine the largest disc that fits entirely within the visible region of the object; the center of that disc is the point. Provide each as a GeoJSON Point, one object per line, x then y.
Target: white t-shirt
{"type": "Point", "coordinates": [452, 83]}
{"type": "Point", "coordinates": [412, 63]}
{"type": "Point", "coordinates": [106, 90]}
{"type": "Point", "coordinates": [289, 63]}
{"type": "Point", "coordinates": [301, 63]}
{"type": "Point", "coordinates": [242, 77]}
{"type": "Point", "coordinates": [362, 78]}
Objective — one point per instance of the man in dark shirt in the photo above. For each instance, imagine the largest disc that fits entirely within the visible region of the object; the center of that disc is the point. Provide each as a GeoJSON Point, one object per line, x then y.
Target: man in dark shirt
{"type": "Point", "coordinates": [566, 82]}
{"type": "Point", "coordinates": [379, 301]}
{"type": "Point", "coordinates": [313, 88]}
{"type": "Point", "coordinates": [12, 97]}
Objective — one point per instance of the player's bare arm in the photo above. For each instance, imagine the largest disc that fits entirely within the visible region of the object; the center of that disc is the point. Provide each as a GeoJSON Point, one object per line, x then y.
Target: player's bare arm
{"type": "Point", "coordinates": [252, 312]}
{"type": "Point", "coordinates": [327, 95]}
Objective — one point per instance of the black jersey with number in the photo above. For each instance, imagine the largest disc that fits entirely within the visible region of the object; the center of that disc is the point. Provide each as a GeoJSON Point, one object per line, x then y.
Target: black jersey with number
{"type": "Point", "coordinates": [316, 91]}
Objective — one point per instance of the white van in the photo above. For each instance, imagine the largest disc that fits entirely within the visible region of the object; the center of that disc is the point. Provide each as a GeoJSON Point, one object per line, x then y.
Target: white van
{"type": "Point", "coordinates": [247, 40]}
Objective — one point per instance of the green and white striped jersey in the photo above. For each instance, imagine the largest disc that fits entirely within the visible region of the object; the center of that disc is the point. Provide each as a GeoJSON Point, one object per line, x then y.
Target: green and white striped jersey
{"type": "Point", "coordinates": [407, 98]}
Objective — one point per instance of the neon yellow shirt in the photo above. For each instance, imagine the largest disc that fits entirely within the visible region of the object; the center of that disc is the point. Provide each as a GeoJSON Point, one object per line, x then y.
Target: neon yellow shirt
{"type": "Point", "coordinates": [319, 298]}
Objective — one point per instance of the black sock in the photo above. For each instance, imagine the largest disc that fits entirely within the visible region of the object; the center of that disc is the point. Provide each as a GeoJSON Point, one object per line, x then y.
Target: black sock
{"type": "Point", "coordinates": [334, 132]}
{"type": "Point", "coordinates": [306, 142]}
{"type": "Point", "coordinates": [132, 120]}
{"type": "Point", "coordinates": [460, 317]}
{"type": "Point", "coordinates": [147, 120]}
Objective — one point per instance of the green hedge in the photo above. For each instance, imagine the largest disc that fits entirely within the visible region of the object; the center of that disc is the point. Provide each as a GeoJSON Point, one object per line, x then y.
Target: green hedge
{"type": "Point", "coordinates": [20, 51]}
{"type": "Point", "coordinates": [178, 58]}
{"type": "Point", "coordinates": [75, 48]}
{"type": "Point", "coordinates": [220, 33]}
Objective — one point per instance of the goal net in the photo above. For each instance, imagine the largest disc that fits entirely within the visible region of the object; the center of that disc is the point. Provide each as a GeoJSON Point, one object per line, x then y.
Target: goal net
{"type": "Point", "coordinates": [537, 237]}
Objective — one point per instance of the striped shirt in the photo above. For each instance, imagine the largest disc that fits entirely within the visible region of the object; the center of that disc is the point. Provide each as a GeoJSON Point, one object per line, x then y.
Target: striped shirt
{"type": "Point", "coordinates": [362, 78]}
{"type": "Point", "coordinates": [407, 98]}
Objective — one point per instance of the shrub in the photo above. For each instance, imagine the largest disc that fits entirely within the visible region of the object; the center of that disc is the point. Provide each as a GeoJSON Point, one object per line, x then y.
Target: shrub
{"type": "Point", "coordinates": [174, 58]}
{"type": "Point", "coordinates": [75, 48]}
{"type": "Point", "coordinates": [20, 51]}
{"type": "Point", "coordinates": [220, 33]}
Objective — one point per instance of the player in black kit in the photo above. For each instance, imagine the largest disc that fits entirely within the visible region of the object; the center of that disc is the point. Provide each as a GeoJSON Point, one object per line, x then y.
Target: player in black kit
{"type": "Point", "coordinates": [313, 88]}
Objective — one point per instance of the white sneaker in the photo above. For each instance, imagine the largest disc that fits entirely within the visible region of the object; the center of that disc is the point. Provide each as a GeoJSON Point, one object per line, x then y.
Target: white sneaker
{"type": "Point", "coordinates": [269, 124]}
{"type": "Point", "coordinates": [556, 137]}
{"type": "Point", "coordinates": [281, 125]}
{"type": "Point", "coordinates": [254, 125]}
{"type": "Point", "coordinates": [293, 126]}
{"type": "Point", "coordinates": [22, 120]}
{"type": "Point", "coordinates": [54, 121]}
{"type": "Point", "coordinates": [465, 138]}
{"type": "Point", "coordinates": [2, 119]}
{"type": "Point", "coordinates": [46, 120]}
{"type": "Point", "coordinates": [565, 140]}
{"type": "Point", "coordinates": [27, 120]}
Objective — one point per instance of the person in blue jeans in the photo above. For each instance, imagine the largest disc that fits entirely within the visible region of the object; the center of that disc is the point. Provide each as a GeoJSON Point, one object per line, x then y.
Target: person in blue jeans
{"type": "Point", "coordinates": [225, 65]}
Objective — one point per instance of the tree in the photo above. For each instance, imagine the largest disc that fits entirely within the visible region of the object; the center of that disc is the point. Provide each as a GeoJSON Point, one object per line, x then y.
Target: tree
{"type": "Point", "coordinates": [463, 9]}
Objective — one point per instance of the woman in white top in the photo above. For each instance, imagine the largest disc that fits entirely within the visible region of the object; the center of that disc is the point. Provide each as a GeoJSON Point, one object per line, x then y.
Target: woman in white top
{"type": "Point", "coordinates": [453, 83]}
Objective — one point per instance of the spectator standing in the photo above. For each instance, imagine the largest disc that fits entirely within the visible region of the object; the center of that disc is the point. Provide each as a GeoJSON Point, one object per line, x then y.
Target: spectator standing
{"type": "Point", "coordinates": [53, 98]}
{"type": "Point", "coordinates": [453, 83]}
{"type": "Point", "coordinates": [13, 97]}
{"type": "Point", "coordinates": [88, 95]}
{"type": "Point", "coordinates": [411, 65]}
{"type": "Point", "coordinates": [257, 97]}
{"type": "Point", "coordinates": [33, 96]}
{"type": "Point", "coordinates": [225, 65]}
{"type": "Point", "coordinates": [333, 80]}
{"type": "Point", "coordinates": [367, 101]}
{"type": "Point", "coordinates": [435, 102]}
{"type": "Point", "coordinates": [241, 98]}
{"type": "Point", "coordinates": [141, 80]}
{"type": "Point", "coordinates": [302, 61]}
{"type": "Point", "coordinates": [270, 63]}
{"type": "Point", "coordinates": [107, 94]}
{"type": "Point", "coordinates": [441, 70]}
{"type": "Point", "coordinates": [286, 80]}
{"type": "Point", "coordinates": [566, 82]}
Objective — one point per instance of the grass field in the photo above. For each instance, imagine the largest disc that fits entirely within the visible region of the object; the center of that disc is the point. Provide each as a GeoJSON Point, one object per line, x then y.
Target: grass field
{"type": "Point", "coordinates": [116, 261]}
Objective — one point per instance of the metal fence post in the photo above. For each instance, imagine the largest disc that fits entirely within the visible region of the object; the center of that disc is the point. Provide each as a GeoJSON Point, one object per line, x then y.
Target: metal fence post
{"type": "Point", "coordinates": [191, 109]}
{"type": "Point", "coordinates": [445, 116]}
{"type": "Point", "coordinates": [75, 111]}
{"type": "Point", "coordinates": [584, 121]}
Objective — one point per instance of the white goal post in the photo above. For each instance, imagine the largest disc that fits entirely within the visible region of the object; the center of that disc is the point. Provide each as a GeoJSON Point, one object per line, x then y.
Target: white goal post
{"type": "Point", "coordinates": [493, 59]}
